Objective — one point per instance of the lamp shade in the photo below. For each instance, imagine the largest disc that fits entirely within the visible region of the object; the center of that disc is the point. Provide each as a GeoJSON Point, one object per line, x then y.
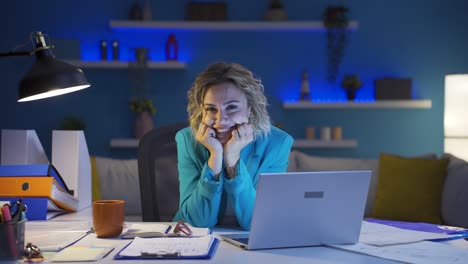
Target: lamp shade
{"type": "Point", "coordinates": [50, 77]}
{"type": "Point", "coordinates": [455, 112]}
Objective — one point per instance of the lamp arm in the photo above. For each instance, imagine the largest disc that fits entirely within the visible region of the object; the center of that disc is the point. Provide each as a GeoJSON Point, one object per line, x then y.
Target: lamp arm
{"type": "Point", "coordinates": [39, 43]}
{"type": "Point", "coordinates": [16, 53]}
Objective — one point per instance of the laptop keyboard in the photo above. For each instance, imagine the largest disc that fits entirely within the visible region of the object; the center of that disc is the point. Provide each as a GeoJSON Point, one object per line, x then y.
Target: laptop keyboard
{"type": "Point", "coordinates": [243, 240]}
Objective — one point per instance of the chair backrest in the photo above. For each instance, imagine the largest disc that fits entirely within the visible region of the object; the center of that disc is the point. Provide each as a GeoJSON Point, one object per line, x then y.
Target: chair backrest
{"type": "Point", "coordinates": [158, 173]}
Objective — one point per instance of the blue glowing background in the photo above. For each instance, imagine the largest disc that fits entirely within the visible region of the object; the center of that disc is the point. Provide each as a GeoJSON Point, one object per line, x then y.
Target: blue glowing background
{"type": "Point", "coordinates": [416, 39]}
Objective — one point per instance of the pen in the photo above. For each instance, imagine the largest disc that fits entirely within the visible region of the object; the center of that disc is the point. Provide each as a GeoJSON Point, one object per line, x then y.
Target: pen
{"type": "Point", "coordinates": [18, 215]}
{"type": "Point", "coordinates": [6, 213]}
{"type": "Point", "coordinates": [455, 237]}
{"type": "Point", "coordinates": [168, 230]}
{"type": "Point", "coordinates": [10, 230]}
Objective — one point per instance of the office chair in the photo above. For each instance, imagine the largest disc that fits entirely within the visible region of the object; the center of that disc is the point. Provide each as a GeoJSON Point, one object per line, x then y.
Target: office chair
{"type": "Point", "coordinates": [158, 174]}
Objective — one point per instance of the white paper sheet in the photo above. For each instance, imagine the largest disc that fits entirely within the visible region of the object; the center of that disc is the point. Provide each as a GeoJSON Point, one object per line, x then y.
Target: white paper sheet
{"type": "Point", "coordinates": [58, 225]}
{"type": "Point", "coordinates": [382, 235]}
{"type": "Point", "coordinates": [53, 240]}
{"type": "Point", "coordinates": [421, 252]}
{"type": "Point", "coordinates": [82, 253]}
{"type": "Point", "coordinates": [193, 246]}
{"type": "Point", "coordinates": [55, 235]}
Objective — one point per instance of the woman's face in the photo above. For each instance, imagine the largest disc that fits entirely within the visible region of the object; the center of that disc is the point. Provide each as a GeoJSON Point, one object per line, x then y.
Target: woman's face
{"type": "Point", "coordinates": [225, 106]}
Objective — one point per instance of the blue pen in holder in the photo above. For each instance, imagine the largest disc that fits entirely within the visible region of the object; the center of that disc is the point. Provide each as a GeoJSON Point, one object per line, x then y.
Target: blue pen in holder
{"type": "Point", "coordinates": [12, 240]}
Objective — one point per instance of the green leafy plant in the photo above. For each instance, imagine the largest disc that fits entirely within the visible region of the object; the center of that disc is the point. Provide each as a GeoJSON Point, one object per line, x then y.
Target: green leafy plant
{"type": "Point", "coordinates": [72, 123]}
{"type": "Point", "coordinates": [140, 105]}
{"type": "Point", "coordinates": [276, 4]}
{"type": "Point", "coordinates": [336, 22]}
{"type": "Point", "coordinates": [351, 83]}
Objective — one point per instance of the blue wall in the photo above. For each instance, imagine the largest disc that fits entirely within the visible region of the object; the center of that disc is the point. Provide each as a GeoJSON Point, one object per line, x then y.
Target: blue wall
{"type": "Point", "coordinates": [416, 39]}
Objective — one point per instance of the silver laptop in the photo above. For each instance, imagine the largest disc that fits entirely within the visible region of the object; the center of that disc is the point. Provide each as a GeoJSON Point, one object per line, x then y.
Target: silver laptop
{"type": "Point", "coordinates": [296, 209]}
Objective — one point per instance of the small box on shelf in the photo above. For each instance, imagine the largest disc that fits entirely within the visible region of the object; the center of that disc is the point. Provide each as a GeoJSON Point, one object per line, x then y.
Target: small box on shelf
{"type": "Point", "coordinates": [393, 89]}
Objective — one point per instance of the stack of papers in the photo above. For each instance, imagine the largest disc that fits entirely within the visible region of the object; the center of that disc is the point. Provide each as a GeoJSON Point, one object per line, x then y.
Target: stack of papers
{"type": "Point", "coordinates": [382, 235]}
{"type": "Point", "coordinates": [405, 245]}
{"type": "Point", "coordinates": [422, 252]}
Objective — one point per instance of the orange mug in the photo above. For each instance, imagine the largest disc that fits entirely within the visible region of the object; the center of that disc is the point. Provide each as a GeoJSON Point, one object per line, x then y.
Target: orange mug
{"type": "Point", "coordinates": [108, 217]}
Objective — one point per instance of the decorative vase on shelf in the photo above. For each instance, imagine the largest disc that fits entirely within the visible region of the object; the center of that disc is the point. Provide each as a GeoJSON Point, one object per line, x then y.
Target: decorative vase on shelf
{"type": "Point", "coordinates": [143, 124]}
{"type": "Point", "coordinates": [141, 55]}
{"type": "Point", "coordinates": [147, 12]}
{"type": "Point", "coordinates": [136, 11]}
{"type": "Point", "coordinates": [172, 48]}
{"type": "Point", "coordinates": [305, 90]}
{"type": "Point", "coordinates": [351, 94]}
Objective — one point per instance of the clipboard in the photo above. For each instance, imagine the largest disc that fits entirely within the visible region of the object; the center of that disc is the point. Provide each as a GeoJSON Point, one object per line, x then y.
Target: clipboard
{"type": "Point", "coordinates": [210, 253]}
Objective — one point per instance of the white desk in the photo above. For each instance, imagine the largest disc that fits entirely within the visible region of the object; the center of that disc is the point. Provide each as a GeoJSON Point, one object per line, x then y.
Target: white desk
{"type": "Point", "coordinates": [227, 253]}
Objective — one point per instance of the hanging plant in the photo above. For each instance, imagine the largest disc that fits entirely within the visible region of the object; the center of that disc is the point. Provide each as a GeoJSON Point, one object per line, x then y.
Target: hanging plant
{"type": "Point", "coordinates": [336, 22]}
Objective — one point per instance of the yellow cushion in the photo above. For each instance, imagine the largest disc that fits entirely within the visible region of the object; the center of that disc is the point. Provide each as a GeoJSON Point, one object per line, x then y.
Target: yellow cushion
{"type": "Point", "coordinates": [409, 189]}
{"type": "Point", "coordinates": [96, 189]}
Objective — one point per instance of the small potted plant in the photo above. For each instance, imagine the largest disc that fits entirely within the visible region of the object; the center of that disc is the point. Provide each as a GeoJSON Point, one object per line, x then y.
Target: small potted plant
{"type": "Point", "coordinates": [144, 109]}
{"type": "Point", "coordinates": [276, 12]}
{"type": "Point", "coordinates": [72, 123]}
{"type": "Point", "coordinates": [140, 105]}
{"type": "Point", "coordinates": [351, 83]}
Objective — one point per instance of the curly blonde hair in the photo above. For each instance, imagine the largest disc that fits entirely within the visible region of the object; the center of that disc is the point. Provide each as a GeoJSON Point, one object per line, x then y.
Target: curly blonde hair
{"type": "Point", "coordinates": [242, 78]}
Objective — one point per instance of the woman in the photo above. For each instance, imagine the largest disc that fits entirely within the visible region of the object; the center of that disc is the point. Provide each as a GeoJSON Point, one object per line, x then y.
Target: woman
{"type": "Point", "coordinates": [229, 143]}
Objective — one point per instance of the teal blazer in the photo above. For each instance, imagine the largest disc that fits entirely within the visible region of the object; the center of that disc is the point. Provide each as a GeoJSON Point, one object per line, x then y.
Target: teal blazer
{"type": "Point", "coordinates": [203, 199]}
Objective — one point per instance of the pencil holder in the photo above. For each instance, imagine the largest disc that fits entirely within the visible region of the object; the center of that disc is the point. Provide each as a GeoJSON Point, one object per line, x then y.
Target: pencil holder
{"type": "Point", "coordinates": [12, 240]}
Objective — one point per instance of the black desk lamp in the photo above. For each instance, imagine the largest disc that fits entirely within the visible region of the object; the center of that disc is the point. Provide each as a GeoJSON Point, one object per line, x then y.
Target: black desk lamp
{"type": "Point", "coordinates": [48, 76]}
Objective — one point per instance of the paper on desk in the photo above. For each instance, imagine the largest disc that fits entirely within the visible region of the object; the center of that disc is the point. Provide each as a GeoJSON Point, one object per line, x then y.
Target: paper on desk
{"type": "Point", "coordinates": [58, 225]}
{"type": "Point", "coordinates": [55, 235]}
{"type": "Point", "coordinates": [382, 235]}
{"type": "Point", "coordinates": [82, 253]}
{"type": "Point", "coordinates": [421, 252]}
{"type": "Point", "coordinates": [194, 246]}
{"type": "Point", "coordinates": [419, 226]}
{"type": "Point", "coordinates": [53, 240]}
{"type": "Point", "coordinates": [161, 228]}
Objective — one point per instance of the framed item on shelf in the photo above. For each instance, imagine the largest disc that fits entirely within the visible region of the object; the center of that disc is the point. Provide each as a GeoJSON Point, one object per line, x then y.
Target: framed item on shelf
{"type": "Point", "coordinates": [203, 11]}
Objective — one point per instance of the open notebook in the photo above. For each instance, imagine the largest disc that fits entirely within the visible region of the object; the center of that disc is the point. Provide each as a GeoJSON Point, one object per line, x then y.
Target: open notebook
{"type": "Point", "coordinates": [149, 230]}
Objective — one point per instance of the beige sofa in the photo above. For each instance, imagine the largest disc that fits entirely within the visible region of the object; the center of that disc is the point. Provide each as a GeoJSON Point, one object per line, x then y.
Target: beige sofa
{"type": "Point", "coordinates": [118, 179]}
{"type": "Point", "coordinates": [454, 203]}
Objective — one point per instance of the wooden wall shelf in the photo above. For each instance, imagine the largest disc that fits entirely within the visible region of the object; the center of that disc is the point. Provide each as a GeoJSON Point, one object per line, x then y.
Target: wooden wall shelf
{"type": "Point", "coordinates": [170, 65]}
{"type": "Point", "coordinates": [308, 143]}
{"type": "Point", "coordinates": [421, 104]}
{"type": "Point", "coordinates": [223, 25]}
